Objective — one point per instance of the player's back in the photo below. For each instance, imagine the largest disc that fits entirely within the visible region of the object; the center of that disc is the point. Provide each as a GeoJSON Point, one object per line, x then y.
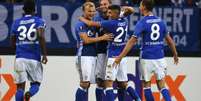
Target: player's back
{"type": "Point", "coordinates": [153, 34]}
{"type": "Point", "coordinates": [27, 42]}
{"type": "Point", "coordinates": [119, 29]}
{"type": "Point", "coordinates": [85, 49]}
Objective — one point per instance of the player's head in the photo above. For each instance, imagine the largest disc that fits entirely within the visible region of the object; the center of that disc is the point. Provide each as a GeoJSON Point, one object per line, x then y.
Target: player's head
{"type": "Point", "coordinates": [114, 11]}
{"type": "Point", "coordinates": [29, 7]}
{"type": "Point", "coordinates": [104, 4]}
{"type": "Point", "coordinates": [89, 10]}
{"type": "Point", "coordinates": [146, 6]}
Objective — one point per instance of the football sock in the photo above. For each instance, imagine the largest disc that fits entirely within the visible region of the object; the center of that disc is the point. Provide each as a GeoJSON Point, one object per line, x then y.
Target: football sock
{"type": "Point", "coordinates": [81, 94]}
{"type": "Point", "coordinates": [34, 89]}
{"type": "Point", "coordinates": [121, 94]}
{"type": "Point", "coordinates": [133, 93]}
{"type": "Point", "coordinates": [99, 94]}
{"type": "Point", "coordinates": [19, 96]}
{"type": "Point", "coordinates": [109, 94]}
{"type": "Point", "coordinates": [166, 94]}
{"type": "Point", "coordinates": [148, 94]}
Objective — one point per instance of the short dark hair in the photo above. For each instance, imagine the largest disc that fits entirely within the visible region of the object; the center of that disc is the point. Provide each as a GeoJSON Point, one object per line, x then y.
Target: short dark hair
{"type": "Point", "coordinates": [115, 7]}
{"type": "Point", "coordinates": [29, 6]}
{"type": "Point", "coordinates": [149, 4]}
{"type": "Point", "coordinates": [110, 1]}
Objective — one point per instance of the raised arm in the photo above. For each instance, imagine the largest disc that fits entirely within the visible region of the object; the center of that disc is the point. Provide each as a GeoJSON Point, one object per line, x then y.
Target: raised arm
{"type": "Point", "coordinates": [89, 22]}
{"type": "Point", "coordinates": [127, 10]}
{"type": "Point", "coordinates": [171, 44]}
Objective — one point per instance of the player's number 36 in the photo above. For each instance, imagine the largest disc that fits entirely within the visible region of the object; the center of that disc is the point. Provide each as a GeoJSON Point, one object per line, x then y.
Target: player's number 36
{"type": "Point", "coordinates": [30, 34]}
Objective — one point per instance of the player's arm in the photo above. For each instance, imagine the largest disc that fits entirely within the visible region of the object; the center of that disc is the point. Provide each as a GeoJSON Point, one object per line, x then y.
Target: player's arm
{"type": "Point", "coordinates": [127, 48]}
{"type": "Point", "coordinates": [171, 44]}
{"type": "Point", "coordinates": [89, 22]}
{"type": "Point", "coordinates": [88, 40]}
{"type": "Point", "coordinates": [41, 37]}
{"type": "Point", "coordinates": [13, 41]}
{"type": "Point", "coordinates": [127, 10]}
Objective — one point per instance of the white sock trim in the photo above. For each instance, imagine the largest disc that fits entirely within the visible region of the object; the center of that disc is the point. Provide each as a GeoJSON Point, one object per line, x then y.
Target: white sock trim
{"type": "Point", "coordinates": [163, 89]}
{"type": "Point", "coordinates": [82, 89]}
{"type": "Point", "coordinates": [109, 88]}
{"type": "Point", "coordinates": [100, 88]}
{"type": "Point", "coordinates": [146, 88]}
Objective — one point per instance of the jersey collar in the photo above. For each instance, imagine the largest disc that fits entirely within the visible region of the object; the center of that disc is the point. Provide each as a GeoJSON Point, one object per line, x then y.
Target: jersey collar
{"type": "Point", "coordinates": [28, 15]}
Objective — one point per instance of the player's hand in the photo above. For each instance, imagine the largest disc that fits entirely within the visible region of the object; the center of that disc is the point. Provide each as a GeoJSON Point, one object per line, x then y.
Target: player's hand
{"type": "Point", "coordinates": [176, 59]}
{"type": "Point", "coordinates": [44, 59]}
{"type": "Point", "coordinates": [116, 61]}
{"type": "Point", "coordinates": [108, 37]}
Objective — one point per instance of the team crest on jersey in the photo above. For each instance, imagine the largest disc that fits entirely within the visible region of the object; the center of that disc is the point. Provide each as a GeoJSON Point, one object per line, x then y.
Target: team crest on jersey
{"type": "Point", "coordinates": [81, 28]}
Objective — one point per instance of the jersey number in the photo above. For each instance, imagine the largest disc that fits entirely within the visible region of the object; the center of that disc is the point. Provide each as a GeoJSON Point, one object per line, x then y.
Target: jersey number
{"type": "Point", "coordinates": [118, 37]}
{"type": "Point", "coordinates": [30, 34]}
{"type": "Point", "coordinates": [155, 34]}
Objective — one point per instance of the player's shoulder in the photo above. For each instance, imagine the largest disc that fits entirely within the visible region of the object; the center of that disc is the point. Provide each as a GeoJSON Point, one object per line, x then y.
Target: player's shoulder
{"type": "Point", "coordinates": [80, 25]}
{"type": "Point", "coordinates": [38, 19]}
{"type": "Point", "coordinates": [17, 21]}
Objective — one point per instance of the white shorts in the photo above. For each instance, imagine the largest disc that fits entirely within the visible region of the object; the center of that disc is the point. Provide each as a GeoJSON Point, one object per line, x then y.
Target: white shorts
{"type": "Point", "coordinates": [27, 69]}
{"type": "Point", "coordinates": [119, 72]}
{"type": "Point", "coordinates": [149, 66]}
{"type": "Point", "coordinates": [85, 66]}
{"type": "Point", "coordinates": [101, 66]}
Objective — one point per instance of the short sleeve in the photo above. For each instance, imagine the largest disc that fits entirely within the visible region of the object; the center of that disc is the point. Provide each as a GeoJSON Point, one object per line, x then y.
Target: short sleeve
{"type": "Point", "coordinates": [166, 32]}
{"type": "Point", "coordinates": [41, 24]}
{"type": "Point", "coordinates": [13, 29]}
{"type": "Point", "coordinates": [139, 28]}
{"type": "Point", "coordinates": [81, 28]}
{"type": "Point", "coordinates": [107, 24]}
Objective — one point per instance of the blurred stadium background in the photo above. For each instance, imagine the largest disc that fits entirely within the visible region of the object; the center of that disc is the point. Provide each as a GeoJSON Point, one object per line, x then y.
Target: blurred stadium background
{"type": "Point", "coordinates": [183, 19]}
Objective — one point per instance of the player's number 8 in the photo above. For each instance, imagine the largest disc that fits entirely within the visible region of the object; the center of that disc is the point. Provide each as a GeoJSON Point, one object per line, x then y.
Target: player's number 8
{"type": "Point", "coordinates": [29, 35]}
{"type": "Point", "coordinates": [155, 34]}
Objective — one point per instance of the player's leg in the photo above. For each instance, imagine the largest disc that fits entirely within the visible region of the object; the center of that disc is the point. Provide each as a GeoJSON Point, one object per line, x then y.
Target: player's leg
{"type": "Point", "coordinates": [123, 83]}
{"type": "Point", "coordinates": [109, 78]}
{"type": "Point", "coordinates": [99, 89]}
{"type": "Point", "coordinates": [84, 66]}
{"type": "Point", "coordinates": [124, 88]}
{"type": "Point", "coordinates": [34, 88]}
{"type": "Point", "coordinates": [146, 67]}
{"type": "Point", "coordinates": [20, 78]}
{"type": "Point", "coordinates": [100, 76]}
{"type": "Point", "coordinates": [35, 75]}
{"type": "Point", "coordinates": [160, 74]}
{"type": "Point", "coordinates": [19, 95]}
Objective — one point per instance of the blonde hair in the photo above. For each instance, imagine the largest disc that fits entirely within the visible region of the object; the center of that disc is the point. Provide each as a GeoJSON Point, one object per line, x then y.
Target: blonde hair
{"type": "Point", "coordinates": [90, 4]}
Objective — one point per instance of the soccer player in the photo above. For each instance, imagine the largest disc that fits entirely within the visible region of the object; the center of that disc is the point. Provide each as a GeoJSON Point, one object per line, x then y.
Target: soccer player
{"type": "Point", "coordinates": [153, 31]}
{"type": "Point", "coordinates": [27, 35]}
{"type": "Point", "coordinates": [118, 27]}
{"type": "Point", "coordinates": [86, 54]}
{"type": "Point", "coordinates": [101, 50]}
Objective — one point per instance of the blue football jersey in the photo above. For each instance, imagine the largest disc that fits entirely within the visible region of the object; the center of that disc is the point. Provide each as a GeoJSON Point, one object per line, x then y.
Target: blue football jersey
{"type": "Point", "coordinates": [118, 28]}
{"type": "Point", "coordinates": [153, 30]}
{"type": "Point", "coordinates": [101, 46]}
{"type": "Point", "coordinates": [27, 43]}
{"type": "Point", "coordinates": [85, 49]}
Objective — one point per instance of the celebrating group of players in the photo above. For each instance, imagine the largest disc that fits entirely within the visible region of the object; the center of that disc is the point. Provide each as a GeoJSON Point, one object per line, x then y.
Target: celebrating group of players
{"type": "Point", "coordinates": [103, 43]}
